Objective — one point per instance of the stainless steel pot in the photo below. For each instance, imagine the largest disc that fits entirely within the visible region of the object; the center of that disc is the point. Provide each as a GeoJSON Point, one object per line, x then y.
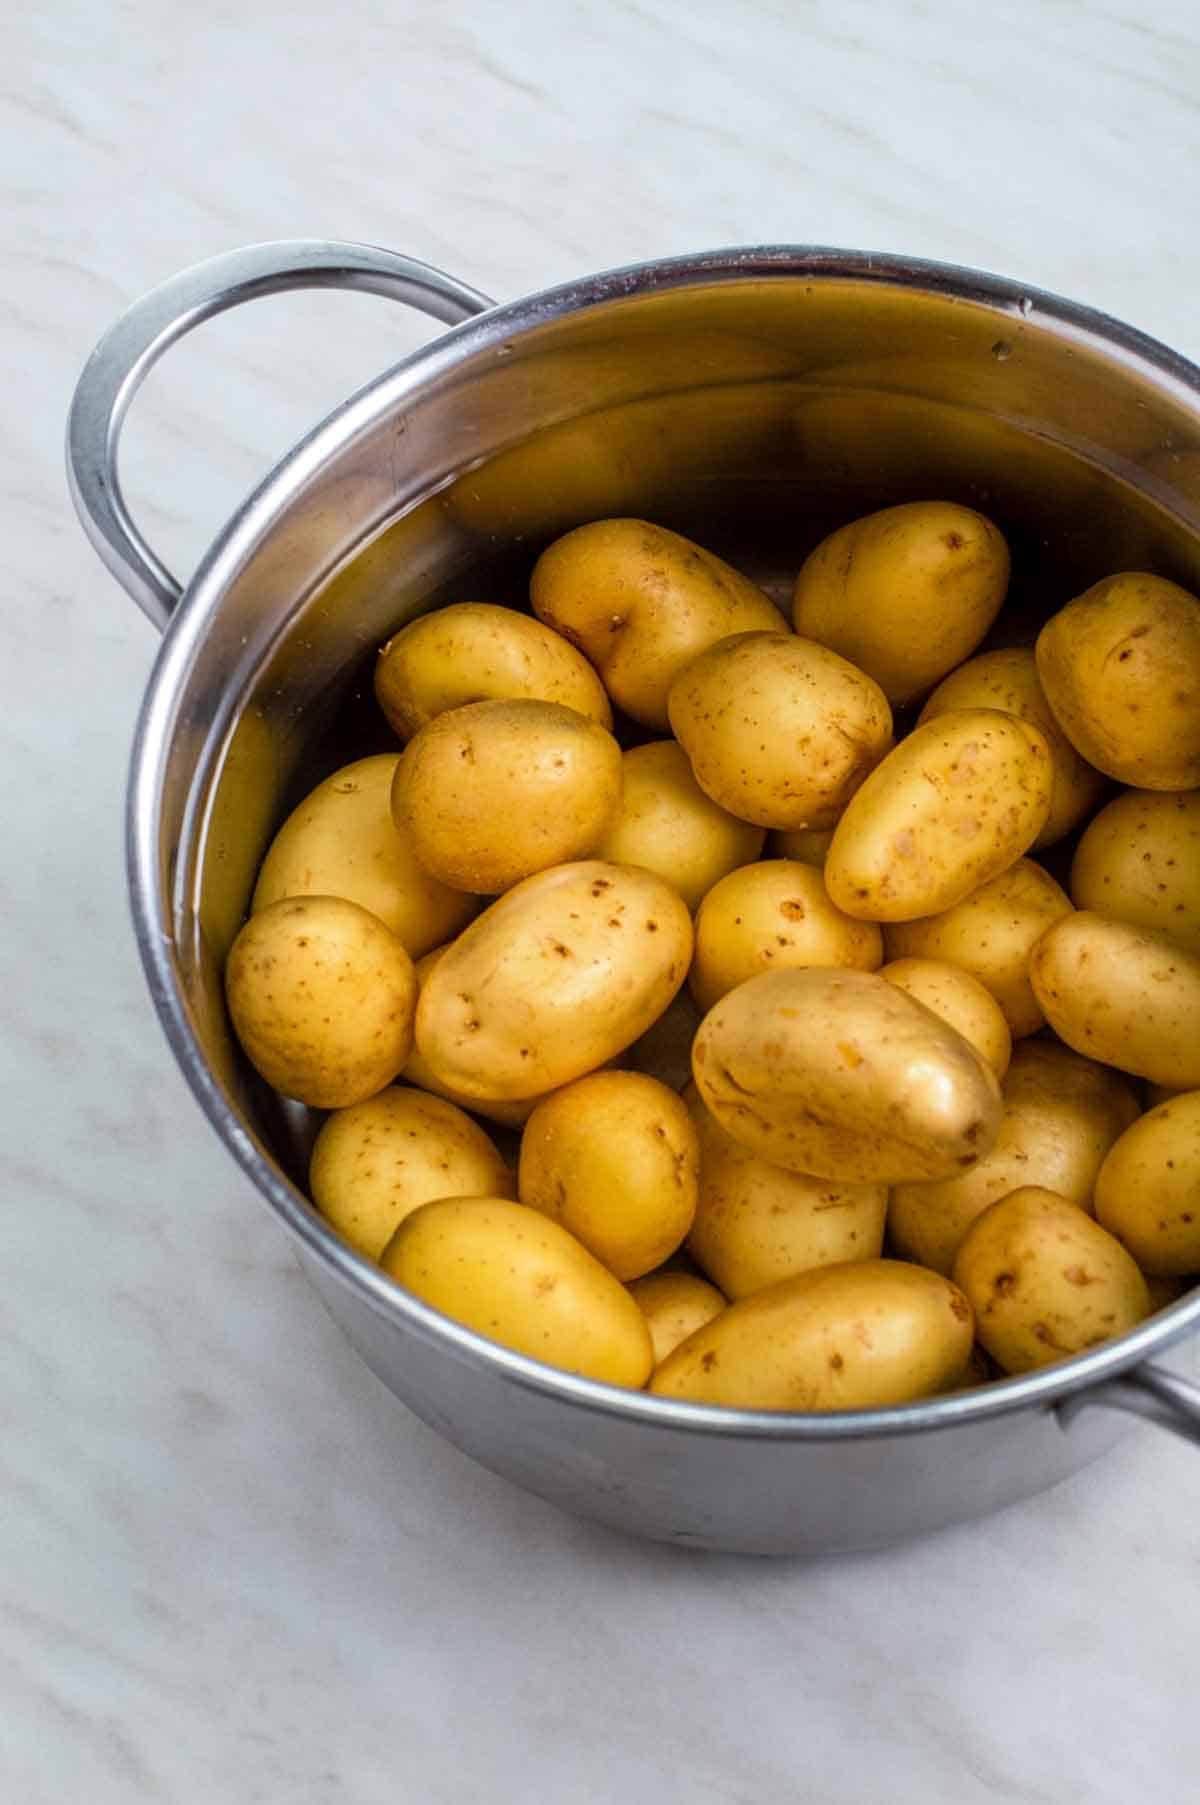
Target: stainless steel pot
{"type": "Point", "coordinates": [754, 398]}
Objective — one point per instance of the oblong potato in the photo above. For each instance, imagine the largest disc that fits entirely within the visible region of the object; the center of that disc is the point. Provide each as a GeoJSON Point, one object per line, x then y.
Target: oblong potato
{"type": "Point", "coordinates": [1046, 1281]}
{"type": "Point", "coordinates": [839, 1338]}
{"type": "Point", "coordinates": [773, 916]}
{"type": "Point", "coordinates": [839, 1074]}
{"type": "Point", "coordinates": [667, 824]}
{"type": "Point", "coordinates": [675, 1305]}
{"type": "Point", "coordinates": [953, 805]}
{"type": "Point", "coordinates": [1138, 860]}
{"type": "Point", "coordinates": [778, 730]}
{"type": "Point", "coordinates": [1123, 995]}
{"type": "Point", "coordinates": [554, 979]}
{"type": "Point", "coordinates": [640, 602]}
{"type": "Point", "coordinates": [906, 593]}
{"type": "Point", "coordinates": [1148, 1189]}
{"type": "Point", "coordinates": [521, 1280]}
{"type": "Point", "coordinates": [960, 1000]}
{"type": "Point", "coordinates": [418, 1072]}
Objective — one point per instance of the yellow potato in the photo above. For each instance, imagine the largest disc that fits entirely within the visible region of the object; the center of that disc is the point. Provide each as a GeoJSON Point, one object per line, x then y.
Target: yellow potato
{"type": "Point", "coordinates": [476, 652]}
{"type": "Point", "coordinates": [665, 1049]}
{"type": "Point", "coordinates": [613, 1157]}
{"type": "Point", "coordinates": [808, 844]}
{"type": "Point", "coordinates": [905, 594]}
{"type": "Point", "coordinates": [640, 603]}
{"type": "Point", "coordinates": [955, 804]}
{"type": "Point", "coordinates": [1046, 1281]}
{"type": "Point", "coordinates": [1120, 666]}
{"type": "Point", "coordinates": [376, 1161]}
{"type": "Point", "coordinates": [496, 791]}
{"type": "Point", "coordinates": [341, 841]}
{"type": "Point", "coordinates": [839, 1074]}
{"type": "Point", "coordinates": [418, 1072]}
{"type": "Point", "coordinates": [839, 1338]}
{"type": "Point", "coordinates": [991, 935]}
{"type": "Point", "coordinates": [321, 996]}
{"type": "Point", "coordinates": [1138, 861]}
{"type": "Point", "coordinates": [1123, 995]}
{"type": "Point", "coordinates": [773, 916]}
{"type": "Point", "coordinates": [960, 1000]}
{"type": "Point", "coordinates": [521, 1280]}
{"type": "Point", "coordinates": [556, 978]}
{"type": "Point", "coordinates": [1148, 1190]}
{"type": "Point", "coordinates": [1061, 1115]}
{"type": "Point", "coordinates": [778, 729]}
{"type": "Point", "coordinates": [757, 1223]}
{"type": "Point", "coordinates": [667, 824]}
{"type": "Point", "coordinates": [1008, 680]}
{"type": "Point", "coordinates": [675, 1305]}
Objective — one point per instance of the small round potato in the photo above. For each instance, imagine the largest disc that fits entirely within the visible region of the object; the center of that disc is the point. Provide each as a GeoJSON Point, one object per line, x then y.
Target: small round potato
{"type": "Point", "coordinates": [376, 1161]}
{"type": "Point", "coordinates": [640, 603]}
{"type": "Point", "coordinates": [675, 1305]}
{"type": "Point", "coordinates": [518, 1278]}
{"type": "Point", "coordinates": [906, 593]}
{"type": "Point", "coordinates": [476, 652]}
{"type": "Point", "coordinates": [1148, 1190]}
{"type": "Point", "coordinates": [1120, 666]}
{"type": "Point", "coordinates": [321, 996]}
{"type": "Point", "coordinates": [1046, 1281]}
{"type": "Point", "coordinates": [1122, 995]}
{"type": "Point", "coordinates": [417, 1071]}
{"type": "Point", "coordinates": [779, 730]}
{"type": "Point", "coordinates": [840, 1338]}
{"type": "Point", "coordinates": [667, 824]}
{"type": "Point", "coordinates": [808, 844]}
{"type": "Point", "coordinates": [954, 805]}
{"type": "Point", "coordinates": [342, 841]}
{"type": "Point", "coordinates": [839, 1074]}
{"type": "Point", "coordinates": [960, 1000]}
{"type": "Point", "coordinates": [773, 916]}
{"type": "Point", "coordinates": [1138, 861]}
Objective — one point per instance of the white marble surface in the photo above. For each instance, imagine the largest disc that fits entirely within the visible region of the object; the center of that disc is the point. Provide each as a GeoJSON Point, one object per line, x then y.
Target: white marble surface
{"type": "Point", "coordinates": [232, 1568]}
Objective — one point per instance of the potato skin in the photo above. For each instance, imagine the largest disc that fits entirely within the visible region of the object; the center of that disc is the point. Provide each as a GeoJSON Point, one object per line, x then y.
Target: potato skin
{"type": "Point", "coordinates": [557, 977]}
{"type": "Point", "coordinates": [491, 793]}
{"type": "Point", "coordinates": [1138, 861]}
{"type": "Point", "coordinates": [1148, 1189]}
{"type": "Point", "coordinates": [905, 593]}
{"type": "Point", "coordinates": [779, 730]}
{"type": "Point", "coordinates": [418, 1073]}
{"type": "Point", "coordinates": [773, 916]}
{"type": "Point", "coordinates": [840, 1075]}
{"type": "Point", "coordinates": [1046, 1281]}
{"type": "Point", "coordinates": [960, 1000]}
{"type": "Point", "coordinates": [321, 996]}
{"type": "Point", "coordinates": [667, 824]}
{"type": "Point", "coordinates": [839, 1338]}
{"type": "Point", "coordinates": [1123, 995]}
{"type": "Point", "coordinates": [954, 805]}
{"type": "Point", "coordinates": [477, 652]}
{"type": "Point", "coordinates": [376, 1161]}
{"type": "Point", "coordinates": [520, 1279]}
{"type": "Point", "coordinates": [341, 841]}
{"type": "Point", "coordinates": [640, 602]}
{"type": "Point", "coordinates": [1120, 667]}
{"type": "Point", "coordinates": [675, 1305]}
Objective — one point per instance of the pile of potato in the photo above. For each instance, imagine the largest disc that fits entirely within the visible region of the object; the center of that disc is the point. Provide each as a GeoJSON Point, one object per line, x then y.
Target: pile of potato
{"type": "Point", "coordinates": [772, 989]}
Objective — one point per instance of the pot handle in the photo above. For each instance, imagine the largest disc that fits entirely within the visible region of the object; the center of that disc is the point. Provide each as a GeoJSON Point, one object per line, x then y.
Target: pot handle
{"type": "Point", "coordinates": [119, 364]}
{"type": "Point", "coordinates": [1149, 1391]}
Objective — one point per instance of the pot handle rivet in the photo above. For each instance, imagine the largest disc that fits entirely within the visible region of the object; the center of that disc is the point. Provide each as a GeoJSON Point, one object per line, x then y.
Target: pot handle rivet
{"type": "Point", "coordinates": [1148, 1391]}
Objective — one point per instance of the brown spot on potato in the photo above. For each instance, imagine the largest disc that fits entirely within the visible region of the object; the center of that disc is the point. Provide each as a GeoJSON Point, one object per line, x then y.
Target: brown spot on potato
{"type": "Point", "coordinates": [708, 1361]}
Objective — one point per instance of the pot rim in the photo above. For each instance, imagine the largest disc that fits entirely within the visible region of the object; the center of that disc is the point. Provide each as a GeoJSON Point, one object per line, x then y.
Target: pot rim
{"type": "Point", "coordinates": [151, 903]}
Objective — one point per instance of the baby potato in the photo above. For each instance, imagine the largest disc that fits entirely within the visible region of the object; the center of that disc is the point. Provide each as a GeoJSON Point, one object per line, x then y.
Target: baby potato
{"type": "Point", "coordinates": [960, 1000]}
{"type": "Point", "coordinates": [557, 977]}
{"type": "Point", "coordinates": [778, 730]}
{"type": "Point", "coordinates": [1120, 667]}
{"type": "Point", "coordinates": [906, 593]}
{"type": "Point", "coordinates": [955, 804]}
{"type": "Point", "coordinates": [839, 1074]}
{"type": "Point", "coordinates": [1123, 995]}
{"type": "Point", "coordinates": [1008, 680]}
{"type": "Point", "coordinates": [991, 935]}
{"type": "Point", "coordinates": [1148, 1190]}
{"type": "Point", "coordinates": [321, 997]}
{"type": "Point", "coordinates": [1046, 1281]}
{"type": "Point", "coordinates": [675, 1305]}
{"type": "Point", "coordinates": [376, 1161]}
{"type": "Point", "coordinates": [757, 1223]}
{"type": "Point", "coordinates": [491, 793]}
{"type": "Point", "coordinates": [341, 841]}
{"type": "Point", "coordinates": [1138, 861]}
{"type": "Point", "coordinates": [839, 1338]}
{"type": "Point", "coordinates": [769, 917]}
{"type": "Point", "coordinates": [1061, 1115]}
{"type": "Point", "coordinates": [808, 844]}
{"type": "Point", "coordinates": [417, 1071]}
{"type": "Point", "coordinates": [665, 1050]}
{"type": "Point", "coordinates": [667, 824]}
{"type": "Point", "coordinates": [518, 1278]}
{"type": "Point", "coordinates": [640, 603]}
{"type": "Point", "coordinates": [476, 652]}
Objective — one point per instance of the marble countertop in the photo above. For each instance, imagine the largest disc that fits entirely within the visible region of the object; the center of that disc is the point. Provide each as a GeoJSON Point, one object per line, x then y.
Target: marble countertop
{"type": "Point", "coordinates": [233, 1567]}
